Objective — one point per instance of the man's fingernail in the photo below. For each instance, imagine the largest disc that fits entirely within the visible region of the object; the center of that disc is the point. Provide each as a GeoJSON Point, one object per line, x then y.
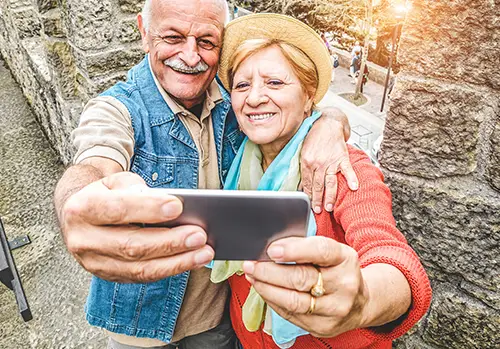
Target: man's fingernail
{"type": "Point", "coordinates": [195, 240]}
{"type": "Point", "coordinates": [276, 252]}
{"type": "Point", "coordinates": [329, 207]}
{"type": "Point", "coordinates": [317, 209]}
{"type": "Point", "coordinates": [354, 185]}
{"type": "Point", "coordinates": [203, 257]}
{"type": "Point", "coordinates": [172, 209]}
{"type": "Point", "coordinates": [248, 267]}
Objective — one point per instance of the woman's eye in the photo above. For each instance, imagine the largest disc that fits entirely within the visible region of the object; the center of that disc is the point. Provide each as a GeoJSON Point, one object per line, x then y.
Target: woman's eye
{"type": "Point", "coordinates": [241, 85]}
{"type": "Point", "coordinates": [275, 82]}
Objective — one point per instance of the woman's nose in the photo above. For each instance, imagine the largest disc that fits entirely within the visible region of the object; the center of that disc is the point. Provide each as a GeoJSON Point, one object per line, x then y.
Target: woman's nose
{"type": "Point", "coordinates": [256, 96]}
{"type": "Point", "coordinates": [189, 53]}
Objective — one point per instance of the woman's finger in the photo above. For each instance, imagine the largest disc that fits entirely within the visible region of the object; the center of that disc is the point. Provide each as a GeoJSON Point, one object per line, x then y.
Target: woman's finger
{"type": "Point", "coordinates": [293, 277]}
{"type": "Point", "coordinates": [318, 250]}
{"type": "Point", "coordinates": [295, 303]}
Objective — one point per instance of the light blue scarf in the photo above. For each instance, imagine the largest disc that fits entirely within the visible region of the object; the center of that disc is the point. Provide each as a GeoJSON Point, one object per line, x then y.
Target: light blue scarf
{"type": "Point", "coordinates": [284, 333]}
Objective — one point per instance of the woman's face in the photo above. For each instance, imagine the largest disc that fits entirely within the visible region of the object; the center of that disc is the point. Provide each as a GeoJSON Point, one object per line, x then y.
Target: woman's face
{"type": "Point", "coordinates": [268, 99]}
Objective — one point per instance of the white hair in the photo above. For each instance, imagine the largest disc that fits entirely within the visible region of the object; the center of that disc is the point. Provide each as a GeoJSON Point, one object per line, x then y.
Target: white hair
{"type": "Point", "coordinates": [147, 13]}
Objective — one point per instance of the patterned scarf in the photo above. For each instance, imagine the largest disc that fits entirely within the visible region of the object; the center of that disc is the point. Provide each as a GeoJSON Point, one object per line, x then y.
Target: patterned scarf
{"type": "Point", "coordinates": [282, 175]}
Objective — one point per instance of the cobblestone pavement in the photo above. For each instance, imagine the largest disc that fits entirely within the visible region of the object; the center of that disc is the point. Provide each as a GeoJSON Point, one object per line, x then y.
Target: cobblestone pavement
{"type": "Point", "coordinates": [55, 285]}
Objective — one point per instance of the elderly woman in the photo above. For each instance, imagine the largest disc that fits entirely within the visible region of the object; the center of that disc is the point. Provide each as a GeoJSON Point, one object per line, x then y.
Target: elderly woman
{"type": "Point", "coordinates": [353, 282]}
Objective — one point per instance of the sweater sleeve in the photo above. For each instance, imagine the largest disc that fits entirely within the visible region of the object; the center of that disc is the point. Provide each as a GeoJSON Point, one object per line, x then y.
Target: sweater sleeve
{"type": "Point", "coordinates": [366, 217]}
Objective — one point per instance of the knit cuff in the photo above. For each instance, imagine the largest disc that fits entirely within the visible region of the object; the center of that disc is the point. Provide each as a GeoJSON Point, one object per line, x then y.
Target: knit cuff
{"type": "Point", "coordinates": [408, 263]}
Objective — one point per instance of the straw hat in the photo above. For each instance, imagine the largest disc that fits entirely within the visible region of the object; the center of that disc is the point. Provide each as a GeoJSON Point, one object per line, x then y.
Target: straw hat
{"type": "Point", "coordinates": [279, 27]}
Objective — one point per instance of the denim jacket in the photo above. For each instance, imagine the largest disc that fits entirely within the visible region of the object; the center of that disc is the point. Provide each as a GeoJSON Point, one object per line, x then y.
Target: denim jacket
{"type": "Point", "coordinates": [165, 156]}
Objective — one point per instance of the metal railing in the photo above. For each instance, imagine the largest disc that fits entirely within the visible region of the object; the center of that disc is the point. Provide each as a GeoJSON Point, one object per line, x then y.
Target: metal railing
{"type": "Point", "coordinates": [8, 272]}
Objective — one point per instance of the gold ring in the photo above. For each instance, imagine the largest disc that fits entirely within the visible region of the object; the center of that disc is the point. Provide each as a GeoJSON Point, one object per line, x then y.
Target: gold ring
{"type": "Point", "coordinates": [318, 290]}
{"type": "Point", "coordinates": [312, 306]}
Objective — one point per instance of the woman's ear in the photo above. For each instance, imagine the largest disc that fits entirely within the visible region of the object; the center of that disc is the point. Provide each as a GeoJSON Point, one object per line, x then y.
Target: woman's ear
{"type": "Point", "coordinates": [308, 106]}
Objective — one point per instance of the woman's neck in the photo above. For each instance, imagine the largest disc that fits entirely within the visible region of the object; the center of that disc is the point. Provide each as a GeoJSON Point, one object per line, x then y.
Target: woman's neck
{"type": "Point", "coordinates": [270, 152]}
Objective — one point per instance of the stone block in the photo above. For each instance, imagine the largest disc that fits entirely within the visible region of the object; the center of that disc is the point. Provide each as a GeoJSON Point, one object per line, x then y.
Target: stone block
{"type": "Point", "coordinates": [91, 24]}
{"type": "Point", "coordinates": [493, 172]}
{"type": "Point", "coordinates": [46, 5]}
{"type": "Point", "coordinates": [52, 23]}
{"type": "Point", "coordinates": [131, 6]}
{"type": "Point", "coordinates": [432, 128]}
{"type": "Point", "coordinates": [453, 40]}
{"type": "Point", "coordinates": [112, 61]}
{"type": "Point", "coordinates": [459, 322]}
{"type": "Point", "coordinates": [128, 31]}
{"type": "Point", "coordinates": [61, 60]}
{"type": "Point", "coordinates": [454, 226]}
{"type": "Point", "coordinates": [17, 4]}
{"type": "Point", "coordinates": [27, 22]}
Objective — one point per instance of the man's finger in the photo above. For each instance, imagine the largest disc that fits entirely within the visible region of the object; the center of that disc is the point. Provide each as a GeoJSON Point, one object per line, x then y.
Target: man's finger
{"type": "Point", "coordinates": [318, 250]}
{"type": "Point", "coordinates": [123, 180]}
{"type": "Point", "coordinates": [330, 188]}
{"type": "Point", "coordinates": [318, 189]}
{"type": "Point", "coordinates": [133, 243]}
{"type": "Point", "coordinates": [98, 206]}
{"type": "Point", "coordinates": [306, 178]}
{"type": "Point", "coordinates": [147, 271]}
{"type": "Point", "coordinates": [349, 174]}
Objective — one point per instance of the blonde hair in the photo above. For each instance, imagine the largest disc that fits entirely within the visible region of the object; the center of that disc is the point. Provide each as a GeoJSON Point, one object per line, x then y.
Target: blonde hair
{"type": "Point", "coordinates": [301, 64]}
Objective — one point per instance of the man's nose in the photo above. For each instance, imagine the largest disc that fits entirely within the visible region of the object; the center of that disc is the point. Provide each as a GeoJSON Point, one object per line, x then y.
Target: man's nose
{"type": "Point", "coordinates": [256, 96]}
{"type": "Point", "coordinates": [189, 53]}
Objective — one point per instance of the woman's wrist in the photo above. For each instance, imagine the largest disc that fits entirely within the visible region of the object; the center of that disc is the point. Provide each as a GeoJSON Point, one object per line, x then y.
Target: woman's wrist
{"type": "Point", "coordinates": [389, 295]}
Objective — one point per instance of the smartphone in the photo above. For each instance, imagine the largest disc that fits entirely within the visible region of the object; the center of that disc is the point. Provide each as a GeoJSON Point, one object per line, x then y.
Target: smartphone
{"type": "Point", "coordinates": [241, 224]}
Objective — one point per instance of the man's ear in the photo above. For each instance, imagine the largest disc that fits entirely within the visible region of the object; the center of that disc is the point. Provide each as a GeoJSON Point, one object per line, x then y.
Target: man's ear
{"type": "Point", "coordinates": [144, 36]}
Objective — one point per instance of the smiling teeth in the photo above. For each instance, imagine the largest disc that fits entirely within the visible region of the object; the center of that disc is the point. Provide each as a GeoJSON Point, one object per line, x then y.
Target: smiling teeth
{"type": "Point", "coordinates": [260, 116]}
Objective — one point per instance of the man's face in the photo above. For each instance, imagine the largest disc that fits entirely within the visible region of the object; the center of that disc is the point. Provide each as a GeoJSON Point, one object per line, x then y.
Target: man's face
{"type": "Point", "coordinates": [184, 39]}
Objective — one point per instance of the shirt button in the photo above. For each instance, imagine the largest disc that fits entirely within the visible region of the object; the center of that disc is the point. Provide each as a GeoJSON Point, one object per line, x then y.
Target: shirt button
{"type": "Point", "coordinates": [154, 176]}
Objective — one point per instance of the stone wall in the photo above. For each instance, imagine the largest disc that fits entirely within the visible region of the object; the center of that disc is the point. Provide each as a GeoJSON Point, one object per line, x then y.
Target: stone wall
{"type": "Point", "coordinates": [62, 52]}
{"type": "Point", "coordinates": [440, 155]}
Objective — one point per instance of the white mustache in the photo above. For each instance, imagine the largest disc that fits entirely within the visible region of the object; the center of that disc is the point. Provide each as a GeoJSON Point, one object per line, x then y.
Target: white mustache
{"type": "Point", "coordinates": [177, 64]}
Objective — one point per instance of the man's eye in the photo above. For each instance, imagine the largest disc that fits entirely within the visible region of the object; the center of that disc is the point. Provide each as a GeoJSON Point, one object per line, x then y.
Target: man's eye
{"type": "Point", "coordinates": [206, 44]}
{"type": "Point", "coordinates": [173, 39]}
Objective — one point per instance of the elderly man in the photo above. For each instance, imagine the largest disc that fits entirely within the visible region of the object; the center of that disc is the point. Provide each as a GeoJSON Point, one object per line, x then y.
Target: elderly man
{"type": "Point", "coordinates": [169, 125]}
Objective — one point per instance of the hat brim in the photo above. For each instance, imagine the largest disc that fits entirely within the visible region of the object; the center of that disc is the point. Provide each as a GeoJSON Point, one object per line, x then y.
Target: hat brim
{"type": "Point", "coordinates": [278, 27]}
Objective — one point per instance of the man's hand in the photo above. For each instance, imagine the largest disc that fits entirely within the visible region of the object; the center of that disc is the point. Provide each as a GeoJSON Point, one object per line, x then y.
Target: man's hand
{"type": "Point", "coordinates": [323, 155]}
{"type": "Point", "coordinates": [98, 227]}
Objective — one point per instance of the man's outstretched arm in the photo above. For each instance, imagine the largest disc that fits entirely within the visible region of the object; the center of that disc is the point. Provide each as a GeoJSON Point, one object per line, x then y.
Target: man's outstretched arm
{"type": "Point", "coordinates": [324, 154]}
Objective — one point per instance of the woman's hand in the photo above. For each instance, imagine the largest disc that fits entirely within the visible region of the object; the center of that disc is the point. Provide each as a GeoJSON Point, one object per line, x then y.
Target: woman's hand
{"type": "Point", "coordinates": [324, 154]}
{"type": "Point", "coordinates": [286, 287]}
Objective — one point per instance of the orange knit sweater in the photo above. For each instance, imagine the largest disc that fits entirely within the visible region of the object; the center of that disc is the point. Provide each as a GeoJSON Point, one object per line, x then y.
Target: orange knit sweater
{"type": "Point", "coordinates": [363, 220]}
